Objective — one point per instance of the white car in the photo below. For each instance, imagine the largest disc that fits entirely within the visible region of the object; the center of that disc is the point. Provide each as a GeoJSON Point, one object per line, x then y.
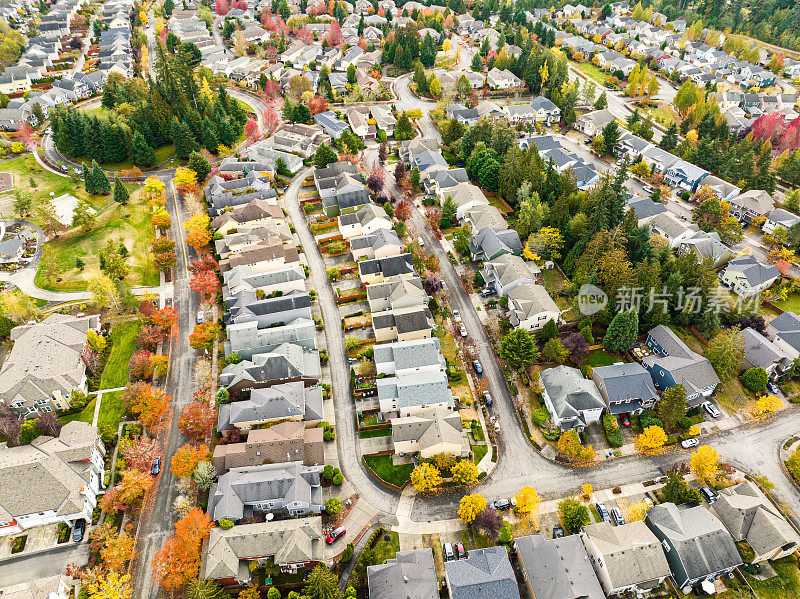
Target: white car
{"type": "Point", "coordinates": [688, 443]}
{"type": "Point", "coordinates": [712, 410]}
{"type": "Point", "coordinates": [456, 316]}
{"type": "Point", "coordinates": [463, 331]}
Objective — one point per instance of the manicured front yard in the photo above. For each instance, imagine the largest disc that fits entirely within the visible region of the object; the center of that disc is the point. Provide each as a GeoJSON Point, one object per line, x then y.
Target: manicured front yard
{"type": "Point", "coordinates": [111, 409]}
{"type": "Point", "coordinates": [600, 357]}
{"type": "Point", "coordinates": [592, 71]}
{"type": "Point", "coordinates": [479, 451]}
{"type": "Point", "coordinates": [785, 584]}
{"type": "Point", "coordinates": [128, 224]}
{"type": "Point", "coordinates": [792, 303]}
{"type": "Point", "coordinates": [382, 466]}
{"type": "Point", "coordinates": [123, 335]}
{"type": "Point", "coordinates": [85, 415]}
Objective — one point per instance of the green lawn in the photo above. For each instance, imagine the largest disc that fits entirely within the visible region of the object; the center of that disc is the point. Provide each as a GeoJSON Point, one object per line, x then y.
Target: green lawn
{"type": "Point", "coordinates": [592, 71]}
{"type": "Point", "coordinates": [381, 432]}
{"type": "Point", "coordinates": [792, 303]}
{"type": "Point", "coordinates": [479, 451]}
{"type": "Point", "coordinates": [785, 584]}
{"type": "Point", "coordinates": [129, 224]}
{"type": "Point", "coordinates": [163, 154]}
{"type": "Point", "coordinates": [86, 415]}
{"type": "Point", "coordinates": [387, 549]}
{"type": "Point", "coordinates": [111, 409]}
{"type": "Point", "coordinates": [600, 357]}
{"type": "Point", "coordinates": [123, 335]}
{"type": "Point", "coordinates": [384, 468]}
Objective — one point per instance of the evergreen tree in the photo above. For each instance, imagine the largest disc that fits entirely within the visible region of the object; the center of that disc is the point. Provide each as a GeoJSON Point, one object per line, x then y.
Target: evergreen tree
{"type": "Point", "coordinates": [183, 139]}
{"type": "Point", "coordinates": [611, 136]}
{"type": "Point", "coordinates": [621, 333]}
{"type": "Point", "coordinates": [88, 179]}
{"type": "Point", "coordinates": [670, 139]}
{"type": "Point", "coordinates": [477, 63]}
{"type": "Point", "coordinates": [548, 331]}
{"type": "Point", "coordinates": [420, 79]}
{"type": "Point", "coordinates": [121, 194]}
{"type": "Point", "coordinates": [199, 164]}
{"type": "Point", "coordinates": [99, 180]}
{"type": "Point", "coordinates": [324, 156]}
{"type": "Point", "coordinates": [602, 102]}
{"type": "Point", "coordinates": [141, 153]}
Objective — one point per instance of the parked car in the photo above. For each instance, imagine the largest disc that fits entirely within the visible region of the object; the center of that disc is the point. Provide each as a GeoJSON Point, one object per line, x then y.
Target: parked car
{"type": "Point", "coordinates": [487, 398]}
{"type": "Point", "coordinates": [625, 419]}
{"type": "Point", "coordinates": [687, 443]}
{"type": "Point", "coordinates": [78, 170]}
{"type": "Point", "coordinates": [156, 467]}
{"type": "Point", "coordinates": [456, 316]}
{"type": "Point", "coordinates": [712, 410]}
{"type": "Point", "coordinates": [64, 168]}
{"type": "Point", "coordinates": [501, 504]}
{"type": "Point", "coordinates": [709, 495]}
{"type": "Point", "coordinates": [773, 388]}
{"type": "Point", "coordinates": [616, 516]}
{"type": "Point", "coordinates": [487, 291]}
{"type": "Point", "coordinates": [421, 242]}
{"type": "Point", "coordinates": [648, 189]}
{"type": "Point", "coordinates": [477, 366]}
{"type": "Point", "coordinates": [463, 331]}
{"type": "Point", "coordinates": [335, 535]}
{"type": "Point", "coordinates": [603, 511]}
{"type": "Point", "coordinates": [447, 551]}
{"type": "Point", "coordinates": [78, 530]}
{"type": "Point", "coordinates": [201, 317]}
{"type": "Point", "coordinates": [558, 531]}
{"type": "Point", "coordinates": [461, 553]}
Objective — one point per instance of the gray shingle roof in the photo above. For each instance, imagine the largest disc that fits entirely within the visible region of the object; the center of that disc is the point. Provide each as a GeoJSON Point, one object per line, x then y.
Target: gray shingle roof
{"type": "Point", "coordinates": [558, 568]}
{"type": "Point", "coordinates": [625, 382]}
{"type": "Point", "coordinates": [410, 574]}
{"type": "Point", "coordinates": [286, 400]}
{"type": "Point", "coordinates": [569, 392]}
{"type": "Point", "coordinates": [485, 574]}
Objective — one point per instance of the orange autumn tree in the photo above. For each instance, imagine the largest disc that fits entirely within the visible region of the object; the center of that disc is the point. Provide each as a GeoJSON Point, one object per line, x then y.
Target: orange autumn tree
{"type": "Point", "coordinates": [196, 420]}
{"type": "Point", "coordinates": [186, 459]}
{"type": "Point", "coordinates": [198, 230]}
{"type": "Point", "coordinates": [129, 492]}
{"type": "Point", "coordinates": [147, 403]}
{"type": "Point", "coordinates": [178, 560]}
{"type": "Point", "coordinates": [204, 335]}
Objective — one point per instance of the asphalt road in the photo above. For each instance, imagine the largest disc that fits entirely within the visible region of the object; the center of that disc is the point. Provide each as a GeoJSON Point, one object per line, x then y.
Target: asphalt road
{"type": "Point", "coordinates": [158, 519]}
{"type": "Point", "coordinates": [40, 565]}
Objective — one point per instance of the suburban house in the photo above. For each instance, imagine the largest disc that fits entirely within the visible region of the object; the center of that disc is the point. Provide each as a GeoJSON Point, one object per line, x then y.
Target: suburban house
{"type": "Point", "coordinates": [696, 544]}
{"type": "Point", "coordinates": [519, 113]}
{"type": "Point", "coordinates": [752, 204]}
{"type": "Point", "coordinates": [673, 363]}
{"type": "Point", "coordinates": [408, 393]}
{"type": "Point", "coordinates": [246, 307]}
{"type": "Point", "coordinates": [546, 111]}
{"type": "Point", "coordinates": [367, 219]}
{"type": "Point", "coordinates": [626, 558]}
{"type": "Point", "coordinates": [440, 181]}
{"type": "Point", "coordinates": [746, 276]}
{"type": "Point", "coordinates": [46, 364]}
{"type": "Point", "coordinates": [409, 357]}
{"type": "Point", "coordinates": [348, 195]}
{"type": "Point", "coordinates": [671, 228]}
{"type": "Point", "coordinates": [531, 307]}
{"type": "Point", "coordinates": [379, 269]}
{"type": "Point", "coordinates": [430, 431]}
{"type": "Point", "coordinates": [288, 490]}
{"type": "Point", "coordinates": [396, 294]}
{"type": "Point", "coordinates": [780, 218]}
{"type": "Point", "coordinates": [258, 211]}
{"type": "Point", "coordinates": [659, 160]}
{"type": "Point", "coordinates": [751, 517]}
{"type": "Point", "coordinates": [246, 339]}
{"type": "Point", "coordinates": [645, 209]}
{"type": "Point", "coordinates": [704, 245]}
{"type": "Point", "coordinates": [784, 331]}
{"type": "Point", "coordinates": [485, 215]}
{"type": "Point", "coordinates": [325, 179]}
{"type": "Point", "coordinates": [592, 123]}
{"type": "Point", "coordinates": [381, 243]}
{"type": "Point", "coordinates": [249, 236]}
{"type": "Point", "coordinates": [490, 243]}
{"type": "Point", "coordinates": [288, 441]}
{"type": "Point", "coordinates": [557, 568]}
{"type": "Point", "coordinates": [502, 79]}
{"type": "Point", "coordinates": [467, 196]}
{"type": "Point", "coordinates": [384, 118]}
{"type": "Point", "coordinates": [270, 254]}
{"type": "Point", "coordinates": [403, 325]}
{"type": "Point", "coordinates": [485, 573]}
{"type": "Point", "coordinates": [330, 124]}
{"type": "Point", "coordinates": [685, 175]}
{"type": "Point", "coordinates": [292, 544]}
{"type": "Point", "coordinates": [285, 363]}
{"type": "Point", "coordinates": [52, 480]}
{"type": "Point", "coordinates": [288, 279]}
{"type": "Point", "coordinates": [280, 403]}
{"type": "Point", "coordinates": [507, 272]}
{"type": "Point", "coordinates": [760, 352]}
{"type": "Point", "coordinates": [572, 401]}
{"type": "Point", "coordinates": [410, 574]}
{"type": "Point", "coordinates": [627, 388]}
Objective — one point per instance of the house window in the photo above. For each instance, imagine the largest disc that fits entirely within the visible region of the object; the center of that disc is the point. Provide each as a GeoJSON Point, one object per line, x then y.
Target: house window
{"type": "Point", "coordinates": [47, 409]}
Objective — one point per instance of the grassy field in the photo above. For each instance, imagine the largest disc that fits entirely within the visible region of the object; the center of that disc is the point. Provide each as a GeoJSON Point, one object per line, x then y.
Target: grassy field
{"type": "Point", "coordinates": [384, 468]}
{"type": "Point", "coordinates": [664, 116]}
{"type": "Point", "coordinates": [116, 372]}
{"type": "Point", "coordinates": [785, 584]}
{"type": "Point", "coordinates": [592, 71]}
{"type": "Point", "coordinates": [792, 303]}
{"type": "Point", "coordinates": [26, 168]}
{"type": "Point", "coordinates": [86, 415]}
{"type": "Point", "coordinates": [381, 432]}
{"type": "Point", "coordinates": [111, 409]}
{"type": "Point", "coordinates": [129, 224]}
{"type": "Point", "coordinates": [600, 357]}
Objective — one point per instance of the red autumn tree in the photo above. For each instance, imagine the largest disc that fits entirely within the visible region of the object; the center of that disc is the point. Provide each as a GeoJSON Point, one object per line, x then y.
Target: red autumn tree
{"type": "Point", "coordinates": [147, 403]}
{"type": "Point", "coordinates": [271, 120]}
{"type": "Point", "coordinates": [205, 283]}
{"type": "Point", "coordinates": [791, 137]}
{"type": "Point", "coordinates": [198, 237]}
{"type": "Point", "coordinates": [140, 453]}
{"type": "Point", "coordinates": [196, 420]}
{"type": "Point", "coordinates": [362, 43]}
{"type": "Point", "coordinates": [140, 367]}
{"type": "Point", "coordinates": [161, 220]}
{"type": "Point", "coordinates": [305, 36]}
{"type": "Point", "coordinates": [222, 8]}
{"type": "Point", "coordinates": [402, 211]}
{"type": "Point", "coordinates": [149, 336]}
{"type": "Point", "coordinates": [186, 459]}
{"type": "Point", "coordinates": [165, 261]}
{"type": "Point", "coordinates": [251, 130]}
{"type": "Point", "coordinates": [267, 22]}
{"type": "Point", "coordinates": [334, 36]}
{"type": "Point", "coordinates": [272, 90]}
{"type": "Point", "coordinates": [783, 266]}
{"type": "Point", "coordinates": [166, 318]}
{"type": "Point", "coordinates": [129, 492]}
{"type": "Point", "coordinates": [768, 127]}
{"type": "Point", "coordinates": [162, 244]}
{"type": "Point", "coordinates": [178, 560]}
{"type": "Point", "coordinates": [204, 262]}
{"type": "Point", "coordinates": [318, 104]}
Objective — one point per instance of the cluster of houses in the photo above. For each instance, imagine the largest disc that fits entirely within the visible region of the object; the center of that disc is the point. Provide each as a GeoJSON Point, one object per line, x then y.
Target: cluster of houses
{"type": "Point", "coordinates": [693, 546]}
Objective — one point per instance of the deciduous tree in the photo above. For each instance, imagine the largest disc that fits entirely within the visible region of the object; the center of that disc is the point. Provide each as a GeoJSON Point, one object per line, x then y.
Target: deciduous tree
{"type": "Point", "coordinates": [767, 404]}
{"type": "Point", "coordinates": [528, 501]}
{"type": "Point", "coordinates": [672, 405]}
{"type": "Point", "coordinates": [204, 335]}
{"type": "Point", "coordinates": [705, 464]}
{"type": "Point", "coordinates": [652, 438]}
{"type": "Point", "coordinates": [140, 453]}
{"type": "Point", "coordinates": [185, 460]}
{"type": "Point", "coordinates": [726, 352]}
{"type": "Point", "coordinates": [426, 477]}
{"type": "Point", "coordinates": [470, 506]}
{"type": "Point", "coordinates": [196, 420]}
{"type": "Point", "coordinates": [574, 514]}
{"type": "Point", "coordinates": [464, 473]}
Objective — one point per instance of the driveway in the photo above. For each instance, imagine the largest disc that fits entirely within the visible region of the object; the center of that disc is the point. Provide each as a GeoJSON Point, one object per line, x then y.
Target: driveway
{"type": "Point", "coordinates": [18, 570]}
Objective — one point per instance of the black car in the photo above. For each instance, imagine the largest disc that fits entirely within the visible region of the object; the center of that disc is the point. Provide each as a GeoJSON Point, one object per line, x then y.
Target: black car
{"type": "Point", "coordinates": [477, 366]}
{"type": "Point", "coordinates": [558, 531]}
{"type": "Point", "coordinates": [78, 530]}
{"type": "Point", "coordinates": [156, 467]}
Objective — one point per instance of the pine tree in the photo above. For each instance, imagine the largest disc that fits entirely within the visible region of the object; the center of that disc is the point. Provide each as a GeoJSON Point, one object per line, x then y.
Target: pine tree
{"type": "Point", "coordinates": [199, 164]}
{"type": "Point", "coordinates": [183, 140]}
{"type": "Point", "coordinates": [670, 139]}
{"type": "Point", "coordinates": [324, 156]}
{"type": "Point", "coordinates": [477, 63]}
{"type": "Point", "coordinates": [99, 180]}
{"type": "Point", "coordinates": [602, 102]}
{"type": "Point", "coordinates": [88, 179]}
{"type": "Point", "coordinates": [121, 194]}
{"type": "Point", "coordinates": [621, 333]}
{"type": "Point", "coordinates": [141, 152]}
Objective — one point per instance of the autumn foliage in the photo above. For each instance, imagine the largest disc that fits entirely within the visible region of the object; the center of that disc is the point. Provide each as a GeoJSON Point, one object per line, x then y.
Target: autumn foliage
{"type": "Point", "coordinates": [205, 282]}
{"type": "Point", "coordinates": [178, 560]}
{"type": "Point", "coordinates": [198, 230]}
{"type": "Point", "coordinates": [186, 459]}
{"type": "Point", "coordinates": [129, 492]}
{"type": "Point", "coordinates": [196, 420]}
{"type": "Point", "coordinates": [204, 335]}
{"type": "Point", "coordinates": [140, 453]}
{"type": "Point", "coordinates": [146, 402]}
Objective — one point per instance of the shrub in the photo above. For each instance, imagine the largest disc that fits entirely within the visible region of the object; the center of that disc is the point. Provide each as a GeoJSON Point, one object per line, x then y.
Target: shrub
{"type": "Point", "coordinates": [327, 472]}
{"type": "Point", "coordinates": [684, 423]}
{"type": "Point", "coordinates": [616, 490]}
{"type": "Point", "coordinates": [611, 428]}
{"type": "Point", "coordinates": [754, 379]}
{"type": "Point", "coordinates": [348, 552]}
{"type": "Point", "coordinates": [338, 479]}
{"type": "Point", "coordinates": [540, 416]}
{"type": "Point", "coordinates": [225, 524]}
{"type": "Point", "coordinates": [333, 506]}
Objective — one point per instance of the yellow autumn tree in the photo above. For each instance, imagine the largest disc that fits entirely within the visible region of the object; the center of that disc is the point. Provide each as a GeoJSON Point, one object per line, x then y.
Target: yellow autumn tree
{"type": "Point", "coordinates": [110, 586]}
{"type": "Point", "coordinates": [426, 477]}
{"type": "Point", "coordinates": [464, 473]}
{"type": "Point", "coordinates": [767, 404]}
{"type": "Point", "coordinates": [154, 192]}
{"type": "Point", "coordinates": [470, 506]}
{"type": "Point", "coordinates": [705, 464]}
{"type": "Point", "coordinates": [527, 503]}
{"type": "Point", "coordinates": [653, 437]}
{"type": "Point", "coordinates": [637, 511]}
{"type": "Point", "coordinates": [185, 177]}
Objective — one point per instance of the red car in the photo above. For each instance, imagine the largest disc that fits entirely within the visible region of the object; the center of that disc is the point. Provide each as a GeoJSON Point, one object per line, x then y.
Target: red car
{"type": "Point", "coordinates": [625, 419]}
{"type": "Point", "coordinates": [335, 535]}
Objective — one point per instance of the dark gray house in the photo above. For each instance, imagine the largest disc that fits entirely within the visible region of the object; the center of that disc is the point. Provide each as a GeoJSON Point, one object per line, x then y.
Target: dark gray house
{"type": "Point", "coordinates": [557, 568]}
{"type": "Point", "coordinates": [246, 307]}
{"type": "Point", "coordinates": [697, 545]}
{"type": "Point", "coordinates": [410, 574]}
{"type": "Point", "coordinates": [627, 388]}
{"type": "Point", "coordinates": [485, 574]}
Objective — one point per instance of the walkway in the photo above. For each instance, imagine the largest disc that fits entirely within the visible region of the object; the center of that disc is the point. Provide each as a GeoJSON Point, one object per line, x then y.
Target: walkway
{"type": "Point", "coordinates": [99, 401]}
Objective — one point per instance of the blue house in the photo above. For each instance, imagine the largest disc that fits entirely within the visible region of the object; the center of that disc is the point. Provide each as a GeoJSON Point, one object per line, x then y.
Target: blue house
{"type": "Point", "coordinates": [685, 175]}
{"type": "Point", "coordinates": [673, 363]}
